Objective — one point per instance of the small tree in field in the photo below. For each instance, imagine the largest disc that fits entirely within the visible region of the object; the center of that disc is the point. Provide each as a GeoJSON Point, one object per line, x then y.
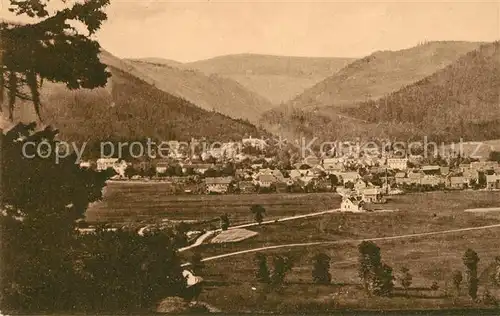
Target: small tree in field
{"type": "Point", "coordinates": [405, 278]}
{"type": "Point", "coordinates": [262, 274]}
{"type": "Point", "coordinates": [470, 261]}
{"type": "Point", "coordinates": [224, 221]}
{"type": "Point", "coordinates": [457, 280]}
{"type": "Point", "coordinates": [282, 265]}
{"type": "Point", "coordinates": [321, 269]}
{"type": "Point", "coordinates": [369, 261]}
{"type": "Point", "coordinates": [376, 276]}
{"type": "Point", "coordinates": [258, 211]}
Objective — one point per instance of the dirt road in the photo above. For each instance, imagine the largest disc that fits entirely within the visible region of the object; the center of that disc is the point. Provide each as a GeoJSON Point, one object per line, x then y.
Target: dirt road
{"type": "Point", "coordinates": [442, 232]}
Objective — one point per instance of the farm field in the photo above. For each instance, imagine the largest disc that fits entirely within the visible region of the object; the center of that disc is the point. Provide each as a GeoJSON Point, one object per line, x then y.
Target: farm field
{"type": "Point", "coordinates": [416, 213]}
{"type": "Point", "coordinates": [429, 258]}
{"type": "Point", "coordinates": [229, 281]}
{"type": "Point", "coordinates": [125, 203]}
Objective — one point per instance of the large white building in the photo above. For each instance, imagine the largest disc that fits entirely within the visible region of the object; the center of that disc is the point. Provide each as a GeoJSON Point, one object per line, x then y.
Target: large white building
{"type": "Point", "coordinates": [352, 204]}
{"type": "Point", "coordinates": [254, 142]}
{"type": "Point", "coordinates": [397, 163]}
{"type": "Point", "coordinates": [114, 163]}
{"type": "Point", "coordinates": [106, 163]}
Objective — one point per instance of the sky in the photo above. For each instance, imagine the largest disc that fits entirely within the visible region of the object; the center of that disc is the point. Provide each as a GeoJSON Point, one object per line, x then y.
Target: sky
{"type": "Point", "coordinates": [193, 30]}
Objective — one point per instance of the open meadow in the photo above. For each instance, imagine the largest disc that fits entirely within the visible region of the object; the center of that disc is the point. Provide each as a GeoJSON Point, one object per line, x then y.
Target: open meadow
{"type": "Point", "coordinates": [231, 284]}
{"type": "Point", "coordinates": [149, 203]}
{"type": "Point", "coordinates": [429, 258]}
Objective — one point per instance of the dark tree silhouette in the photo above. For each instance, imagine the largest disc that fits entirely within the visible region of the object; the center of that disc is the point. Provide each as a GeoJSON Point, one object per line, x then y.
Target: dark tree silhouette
{"type": "Point", "coordinates": [376, 276]}
{"type": "Point", "coordinates": [281, 266]}
{"type": "Point", "coordinates": [321, 269]}
{"type": "Point", "coordinates": [258, 211]}
{"type": "Point", "coordinates": [224, 221]}
{"type": "Point", "coordinates": [47, 266]}
{"type": "Point", "coordinates": [470, 260]}
{"type": "Point", "coordinates": [33, 52]}
{"type": "Point", "coordinates": [334, 181]}
{"type": "Point", "coordinates": [262, 274]}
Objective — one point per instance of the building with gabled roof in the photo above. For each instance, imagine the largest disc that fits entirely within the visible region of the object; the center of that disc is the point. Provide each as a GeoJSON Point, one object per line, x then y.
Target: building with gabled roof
{"type": "Point", "coordinates": [493, 182]}
{"type": "Point", "coordinates": [352, 204]}
{"type": "Point", "coordinates": [457, 182]}
{"type": "Point", "coordinates": [349, 176]}
{"type": "Point", "coordinates": [218, 184]}
{"type": "Point", "coordinates": [372, 195]}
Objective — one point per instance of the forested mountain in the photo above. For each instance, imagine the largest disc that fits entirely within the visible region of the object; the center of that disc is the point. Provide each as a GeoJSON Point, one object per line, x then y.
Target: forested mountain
{"type": "Point", "coordinates": [210, 92]}
{"type": "Point", "coordinates": [381, 73]}
{"type": "Point", "coordinates": [131, 109]}
{"type": "Point", "coordinates": [278, 78]}
{"type": "Point", "coordinates": [462, 99]}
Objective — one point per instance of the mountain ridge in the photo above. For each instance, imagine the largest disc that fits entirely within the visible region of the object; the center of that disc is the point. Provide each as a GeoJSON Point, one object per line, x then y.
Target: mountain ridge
{"type": "Point", "coordinates": [460, 100]}
{"type": "Point", "coordinates": [382, 72]}
{"type": "Point", "coordinates": [277, 78]}
{"type": "Point", "coordinates": [130, 108]}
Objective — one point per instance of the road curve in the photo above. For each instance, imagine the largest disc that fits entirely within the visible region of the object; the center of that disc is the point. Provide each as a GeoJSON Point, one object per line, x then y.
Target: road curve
{"type": "Point", "coordinates": [442, 232]}
{"type": "Point", "coordinates": [210, 233]}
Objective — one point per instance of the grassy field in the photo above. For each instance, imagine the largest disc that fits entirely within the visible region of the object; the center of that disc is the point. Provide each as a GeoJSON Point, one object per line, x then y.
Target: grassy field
{"type": "Point", "coordinates": [229, 281]}
{"type": "Point", "coordinates": [125, 203]}
{"type": "Point", "coordinates": [430, 259]}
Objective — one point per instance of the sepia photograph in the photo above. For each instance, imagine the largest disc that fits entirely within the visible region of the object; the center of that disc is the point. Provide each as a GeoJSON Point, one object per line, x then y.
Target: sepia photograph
{"type": "Point", "coordinates": [249, 157]}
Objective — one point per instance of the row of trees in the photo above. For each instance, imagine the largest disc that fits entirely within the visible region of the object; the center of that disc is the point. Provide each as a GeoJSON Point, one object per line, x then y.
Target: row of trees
{"type": "Point", "coordinates": [376, 276]}
{"type": "Point", "coordinates": [281, 266]}
{"type": "Point", "coordinates": [256, 210]}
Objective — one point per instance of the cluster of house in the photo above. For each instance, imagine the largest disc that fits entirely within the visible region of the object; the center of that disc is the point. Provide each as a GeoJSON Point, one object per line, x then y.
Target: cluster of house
{"type": "Point", "coordinates": [456, 178]}
{"type": "Point", "coordinates": [312, 172]}
{"type": "Point", "coordinates": [363, 193]}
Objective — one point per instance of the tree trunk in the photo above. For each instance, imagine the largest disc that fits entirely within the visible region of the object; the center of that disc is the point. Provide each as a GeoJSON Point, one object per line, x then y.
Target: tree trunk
{"type": "Point", "coordinates": [12, 93]}
{"type": "Point", "coordinates": [31, 79]}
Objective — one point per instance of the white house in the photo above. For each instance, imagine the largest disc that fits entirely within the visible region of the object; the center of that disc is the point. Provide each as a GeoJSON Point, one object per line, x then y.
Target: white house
{"type": "Point", "coordinates": [120, 168]}
{"type": "Point", "coordinates": [372, 195]}
{"type": "Point", "coordinates": [275, 173]}
{"type": "Point", "coordinates": [106, 163]}
{"type": "Point", "coordinates": [266, 180]}
{"type": "Point", "coordinates": [161, 166]}
{"type": "Point", "coordinates": [492, 182]}
{"type": "Point", "coordinates": [349, 176]}
{"type": "Point", "coordinates": [117, 165]}
{"type": "Point", "coordinates": [360, 185]}
{"type": "Point", "coordinates": [218, 185]}
{"type": "Point", "coordinates": [333, 164]}
{"type": "Point", "coordinates": [397, 163]}
{"type": "Point", "coordinates": [352, 204]}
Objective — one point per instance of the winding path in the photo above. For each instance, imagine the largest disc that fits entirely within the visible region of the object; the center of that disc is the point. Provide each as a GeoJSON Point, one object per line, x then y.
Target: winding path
{"type": "Point", "coordinates": [442, 232]}
{"type": "Point", "coordinates": [210, 233]}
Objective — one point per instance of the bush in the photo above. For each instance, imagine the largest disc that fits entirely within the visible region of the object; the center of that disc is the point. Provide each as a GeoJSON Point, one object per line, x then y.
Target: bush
{"type": "Point", "coordinates": [434, 286]}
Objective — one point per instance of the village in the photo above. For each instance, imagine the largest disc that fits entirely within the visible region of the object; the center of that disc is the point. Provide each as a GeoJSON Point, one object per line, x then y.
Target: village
{"type": "Point", "coordinates": [249, 167]}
